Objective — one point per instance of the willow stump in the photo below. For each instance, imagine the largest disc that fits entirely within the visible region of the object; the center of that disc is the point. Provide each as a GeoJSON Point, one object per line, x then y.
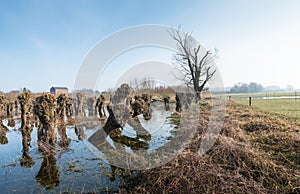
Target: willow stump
{"type": "Point", "coordinates": [80, 102]}
{"type": "Point", "coordinates": [61, 107]}
{"type": "Point", "coordinates": [91, 101]}
{"type": "Point", "coordinates": [3, 128]}
{"type": "Point", "coordinates": [99, 107]}
{"type": "Point", "coordinates": [25, 100]}
{"type": "Point", "coordinates": [3, 103]}
{"type": "Point", "coordinates": [44, 108]}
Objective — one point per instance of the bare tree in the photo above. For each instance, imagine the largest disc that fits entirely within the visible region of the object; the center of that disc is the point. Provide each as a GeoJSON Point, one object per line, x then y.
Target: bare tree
{"type": "Point", "coordinates": [194, 63]}
{"type": "Point", "coordinates": [148, 83]}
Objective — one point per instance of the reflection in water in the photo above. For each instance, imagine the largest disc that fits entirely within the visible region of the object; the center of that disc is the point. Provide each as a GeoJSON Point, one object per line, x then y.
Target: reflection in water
{"type": "Point", "coordinates": [119, 172]}
{"type": "Point", "coordinates": [141, 132]}
{"type": "Point", "coordinates": [133, 143]}
{"type": "Point", "coordinates": [79, 131]}
{"type": "Point", "coordinates": [113, 129]}
{"type": "Point", "coordinates": [147, 114]}
{"type": "Point", "coordinates": [48, 175]}
{"type": "Point", "coordinates": [130, 146]}
{"type": "Point", "coordinates": [26, 160]}
{"type": "Point", "coordinates": [167, 103]}
{"type": "Point", "coordinates": [3, 130]}
{"type": "Point", "coordinates": [130, 151]}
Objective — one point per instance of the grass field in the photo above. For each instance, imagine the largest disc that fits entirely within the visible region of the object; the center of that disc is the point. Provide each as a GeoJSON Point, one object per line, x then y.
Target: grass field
{"type": "Point", "coordinates": [287, 106]}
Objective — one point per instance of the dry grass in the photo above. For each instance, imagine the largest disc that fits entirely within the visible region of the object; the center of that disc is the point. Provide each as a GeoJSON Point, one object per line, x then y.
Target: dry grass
{"type": "Point", "coordinates": [255, 153]}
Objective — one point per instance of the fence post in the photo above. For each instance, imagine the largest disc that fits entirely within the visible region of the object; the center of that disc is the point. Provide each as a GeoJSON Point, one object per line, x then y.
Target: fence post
{"type": "Point", "coordinates": [250, 101]}
{"type": "Point", "coordinates": [229, 97]}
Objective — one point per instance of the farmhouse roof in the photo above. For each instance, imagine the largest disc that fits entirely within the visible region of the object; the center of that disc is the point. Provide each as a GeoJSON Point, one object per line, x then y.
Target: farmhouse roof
{"type": "Point", "coordinates": [59, 88]}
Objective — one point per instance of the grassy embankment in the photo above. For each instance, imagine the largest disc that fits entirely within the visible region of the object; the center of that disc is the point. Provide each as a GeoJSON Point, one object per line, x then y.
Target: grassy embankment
{"type": "Point", "coordinates": [255, 153]}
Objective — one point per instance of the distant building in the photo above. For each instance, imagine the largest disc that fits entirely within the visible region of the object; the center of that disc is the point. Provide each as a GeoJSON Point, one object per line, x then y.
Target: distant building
{"type": "Point", "coordinates": [59, 90]}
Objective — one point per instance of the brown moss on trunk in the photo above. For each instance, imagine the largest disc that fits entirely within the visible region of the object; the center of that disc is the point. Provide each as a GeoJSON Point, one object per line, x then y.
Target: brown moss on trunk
{"type": "Point", "coordinates": [3, 129]}
{"type": "Point", "coordinates": [16, 107]}
{"type": "Point", "coordinates": [69, 107]}
{"type": "Point", "coordinates": [99, 106]}
{"type": "Point", "coordinates": [9, 108]}
{"type": "Point", "coordinates": [141, 105]}
{"type": "Point", "coordinates": [61, 106]}
{"type": "Point", "coordinates": [25, 100]}
{"type": "Point", "coordinates": [3, 103]}
{"type": "Point", "coordinates": [44, 108]}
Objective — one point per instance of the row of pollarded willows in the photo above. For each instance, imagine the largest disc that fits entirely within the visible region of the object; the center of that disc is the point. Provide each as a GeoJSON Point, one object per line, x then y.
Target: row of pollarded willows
{"type": "Point", "coordinates": [255, 153]}
{"type": "Point", "coordinates": [51, 111]}
{"type": "Point", "coordinates": [42, 111]}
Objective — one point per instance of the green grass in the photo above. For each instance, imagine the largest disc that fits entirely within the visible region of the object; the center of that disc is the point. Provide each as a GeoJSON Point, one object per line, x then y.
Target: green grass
{"type": "Point", "coordinates": [288, 107]}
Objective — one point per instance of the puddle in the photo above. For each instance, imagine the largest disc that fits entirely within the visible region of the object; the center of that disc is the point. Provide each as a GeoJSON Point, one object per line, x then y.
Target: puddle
{"type": "Point", "coordinates": [74, 168]}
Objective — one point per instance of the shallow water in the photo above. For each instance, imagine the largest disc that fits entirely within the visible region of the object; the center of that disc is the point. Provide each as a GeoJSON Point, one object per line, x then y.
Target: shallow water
{"type": "Point", "coordinates": [75, 168]}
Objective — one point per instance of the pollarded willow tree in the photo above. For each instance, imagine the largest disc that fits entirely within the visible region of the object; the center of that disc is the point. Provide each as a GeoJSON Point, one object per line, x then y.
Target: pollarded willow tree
{"type": "Point", "coordinates": [194, 63]}
{"type": "Point", "coordinates": [44, 108]}
{"type": "Point", "coordinates": [3, 102]}
{"type": "Point", "coordinates": [25, 100]}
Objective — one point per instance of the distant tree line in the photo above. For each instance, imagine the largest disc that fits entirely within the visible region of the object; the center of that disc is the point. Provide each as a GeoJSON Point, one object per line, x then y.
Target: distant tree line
{"type": "Point", "coordinates": [247, 88]}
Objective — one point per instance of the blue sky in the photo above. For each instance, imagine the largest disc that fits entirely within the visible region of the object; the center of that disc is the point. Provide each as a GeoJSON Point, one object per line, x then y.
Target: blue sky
{"type": "Point", "coordinates": [43, 43]}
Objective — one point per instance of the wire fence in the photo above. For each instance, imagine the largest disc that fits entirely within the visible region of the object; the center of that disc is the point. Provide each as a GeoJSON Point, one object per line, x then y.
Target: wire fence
{"type": "Point", "coordinates": [282, 103]}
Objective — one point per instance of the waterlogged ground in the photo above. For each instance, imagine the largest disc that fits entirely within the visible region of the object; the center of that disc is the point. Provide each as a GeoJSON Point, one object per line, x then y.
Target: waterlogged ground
{"type": "Point", "coordinates": [74, 168]}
